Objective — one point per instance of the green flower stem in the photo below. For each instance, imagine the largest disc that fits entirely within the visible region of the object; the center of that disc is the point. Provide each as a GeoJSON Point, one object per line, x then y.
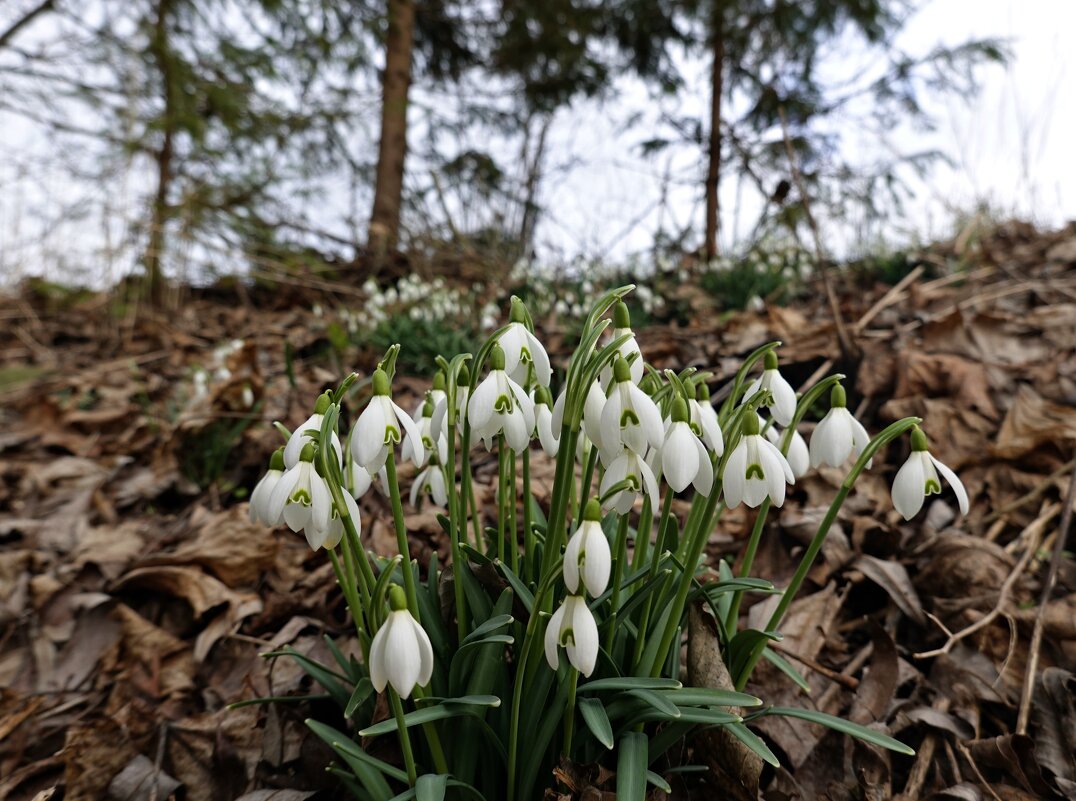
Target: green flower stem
{"type": "Point", "coordinates": [558, 504]}
{"type": "Point", "coordinates": [587, 478]}
{"type": "Point", "coordinates": [696, 536]}
{"type": "Point", "coordinates": [748, 561]}
{"type": "Point", "coordinates": [352, 597]}
{"type": "Point", "coordinates": [648, 604]}
{"type": "Point", "coordinates": [405, 737]}
{"type": "Point", "coordinates": [433, 740]}
{"type": "Point", "coordinates": [513, 531]}
{"type": "Point", "coordinates": [569, 713]}
{"type": "Point", "coordinates": [621, 551]}
{"type": "Point", "coordinates": [467, 485]}
{"type": "Point", "coordinates": [401, 536]}
{"type": "Point", "coordinates": [642, 534]}
{"type": "Point", "coordinates": [455, 524]}
{"type": "Point", "coordinates": [528, 522]}
{"type": "Point", "coordinates": [502, 495]}
{"type": "Point", "coordinates": [890, 433]}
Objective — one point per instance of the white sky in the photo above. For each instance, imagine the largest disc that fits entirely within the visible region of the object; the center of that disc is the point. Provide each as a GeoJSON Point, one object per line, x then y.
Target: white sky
{"type": "Point", "coordinates": [1011, 147]}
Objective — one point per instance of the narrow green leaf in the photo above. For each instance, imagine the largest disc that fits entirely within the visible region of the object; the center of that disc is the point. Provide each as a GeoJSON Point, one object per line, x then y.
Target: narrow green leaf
{"type": "Point", "coordinates": [489, 627]}
{"type": "Point", "coordinates": [629, 683]}
{"type": "Point", "coordinates": [843, 726]}
{"type": "Point", "coordinates": [657, 702]}
{"type": "Point", "coordinates": [520, 589]}
{"type": "Point", "coordinates": [787, 668]}
{"type": "Point", "coordinates": [703, 696]}
{"type": "Point", "coordinates": [593, 712]}
{"type": "Point", "coordinates": [327, 678]}
{"type": "Point", "coordinates": [431, 787]}
{"type": "Point", "coordinates": [754, 742]}
{"type": "Point", "coordinates": [363, 690]}
{"type": "Point", "coordinates": [631, 767]}
{"type": "Point", "coordinates": [658, 781]}
{"type": "Point", "coordinates": [370, 771]}
{"type": "Point", "coordinates": [448, 708]}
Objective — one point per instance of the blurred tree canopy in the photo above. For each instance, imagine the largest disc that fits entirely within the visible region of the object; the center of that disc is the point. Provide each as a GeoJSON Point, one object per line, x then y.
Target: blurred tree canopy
{"type": "Point", "coordinates": [237, 116]}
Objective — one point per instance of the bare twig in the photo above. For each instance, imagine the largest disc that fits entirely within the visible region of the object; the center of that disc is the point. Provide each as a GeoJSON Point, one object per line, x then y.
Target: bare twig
{"type": "Point", "coordinates": [851, 682]}
{"type": "Point", "coordinates": [1036, 635]}
{"type": "Point", "coordinates": [1031, 535]}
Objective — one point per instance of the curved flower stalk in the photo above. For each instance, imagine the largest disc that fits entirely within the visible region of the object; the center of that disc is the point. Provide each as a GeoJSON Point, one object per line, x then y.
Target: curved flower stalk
{"type": "Point", "coordinates": [572, 627]}
{"type": "Point", "coordinates": [629, 351]}
{"type": "Point", "coordinates": [682, 458]}
{"type": "Point", "coordinates": [302, 498]}
{"type": "Point", "coordinates": [263, 492]}
{"type": "Point", "coordinates": [300, 438]}
{"type": "Point", "coordinates": [703, 418]}
{"type": "Point", "coordinates": [630, 418]}
{"type": "Point", "coordinates": [401, 654]}
{"type": "Point", "coordinates": [522, 349]}
{"type": "Point", "coordinates": [628, 466]}
{"type": "Point", "coordinates": [587, 556]}
{"type": "Point", "coordinates": [755, 469]}
{"type": "Point", "coordinates": [543, 421]}
{"type": "Point", "coordinates": [783, 405]}
{"type": "Point", "coordinates": [500, 406]}
{"type": "Point", "coordinates": [380, 427]}
{"type": "Point", "coordinates": [918, 478]}
{"type": "Point", "coordinates": [838, 434]}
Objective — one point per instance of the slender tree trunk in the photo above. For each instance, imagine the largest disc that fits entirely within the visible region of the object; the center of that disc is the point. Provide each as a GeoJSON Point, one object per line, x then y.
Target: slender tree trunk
{"type": "Point", "coordinates": [395, 84]}
{"type": "Point", "coordinates": [713, 173]}
{"type": "Point", "coordinates": [159, 215]}
{"type": "Point", "coordinates": [533, 165]}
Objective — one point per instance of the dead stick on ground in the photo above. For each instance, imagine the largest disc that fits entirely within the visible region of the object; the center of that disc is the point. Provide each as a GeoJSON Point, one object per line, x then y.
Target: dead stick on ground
{"type": "Point", "coordinates": [1032, 535]}
{"type": "Point", "coordinates": [848, 348]}
{"type": "Point", "coordinates": [1036, 634]}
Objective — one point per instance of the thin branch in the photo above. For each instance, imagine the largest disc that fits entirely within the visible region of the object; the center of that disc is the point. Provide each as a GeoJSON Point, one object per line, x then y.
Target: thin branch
{"type": "Point", "coordinates": [25, 20]}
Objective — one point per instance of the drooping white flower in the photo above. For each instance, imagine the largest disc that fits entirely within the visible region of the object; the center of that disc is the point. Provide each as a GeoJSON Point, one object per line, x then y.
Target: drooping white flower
{"type": "Point", "coordinates": [381, 426]}
{"type": "Point", "coordinates": [522, 349]}
{"type": "Point", "coordinates": [798, 457]}
{"type": "Point", "coordinates": [332, 536]}
{"type": "Point", "coordinates": [431, 479]}
{"type": "Point", "coordinates": [435, 395]}
{"type": "Point", "coordinates": [299, 437]}
{"type": "Point", "coordinates": [682, 458]}
{"type": "Point", "coordinates": [838, 433]}
{"type": "Point", "coordinates": [430, 446]}
{"type": "Point", "coordinates": [499, 405]}
{"type": "Point", "coordinates": [401, 653]}
{"type": "Point", "coordinates": [783, 405]}
{"type": "Point", "coordinates": [704, 420]}
{"type": "Point", "coordinates": [587, 555]}
{"type": "Point", "coordinates": [440, 408]}
{"type": "Point", "coordinates": [918, 478]}
{"type": "Point", "coordinates": [303, 498]}
{"type": "Point", "coordinates": [543, 421]}
{"type": "Point", "coordinates": [632, 467]}
{"type": "Point", "coordinates": [629, 350]}
{"type": "Point", "coordinates": [572, 627]}
{"type": "Point", "coordinates": [592, 413]}
{"type": "Point", "coordinates": [263, 491]}
{"type": "Point", "coordinates": [755, 469]}
{"type": "Point", "coordinates": [629, 418]}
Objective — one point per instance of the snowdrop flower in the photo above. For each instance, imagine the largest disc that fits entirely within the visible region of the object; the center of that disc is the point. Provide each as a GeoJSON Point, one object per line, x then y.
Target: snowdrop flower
{"type": "Point", "coordinates": [682, 458]}
{"type": "Point", "coordinates": [522, 348]}
{"type": "Point", "coordinates": [592, 413]}
{"type": "Point", "coordinates": [543, 421]}
{"type": "Point", "coordinates": [440, 408]}
{"type": "Point", "coordinates": [703, 418]}
{"type": "Point", "coordinates": [263, 491]}
{"type": "Point", "coordinates": [428, 446]}
{"type": "Point", "coordinates": [783, 405]}
{"type": "Point", "coordinates": [436, 395]}
{"type": "Point", "coordinates": [299, 439]}
{"type": "Point", "coordinates": [302, 497]}
{"type": "Point", "coordinates": [629, 349]}
{"type": "Point", "coordinates": [918, 478]}
{"type": "Point", "coordinates": [629, 417]}
{"type": "Point", "coordinates": [798, 457]}
{"type": "Point", "coordinates": [499, 405]}
{"type": "Point", "coordinates": [331, 537]}
{"type": "Point", "coordinates": [755, 469]}
{"type": "Point", "coordinates": [431, 479]}
{"type": "Point", "coordinates": [401, 653]}
{"type": "Point", "coordinates": [378, 428]}
{"type": "Point", "coordinates": [838, 433]}
{"type": "Point", "coordinates": [572, 627]}
{"type": "Point", "coordinates": [587, 555]}
{"type": "Point", "coordinates": [629, 466]}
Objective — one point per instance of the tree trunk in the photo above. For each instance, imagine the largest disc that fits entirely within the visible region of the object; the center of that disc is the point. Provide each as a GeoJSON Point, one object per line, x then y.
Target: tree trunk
{"type": "Point", "coordinates": [533, 165]}
{"type": "Point", "coordinates": [713, 173]}
{"type": "Point", "coordinates": [395, 84]}
{"type": "Point", "coordinates": [159, 216]}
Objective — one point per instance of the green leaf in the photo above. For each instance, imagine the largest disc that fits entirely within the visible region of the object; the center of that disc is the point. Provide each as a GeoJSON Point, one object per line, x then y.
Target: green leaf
{"type": "Point", "coordinates": [327, 678]}
{"type": "Point", "coordinates": [658, 781]}
{"type": "Point", "coordinates": [657, 702]}
{"type": "Point", "coordinates": [520, 589]}
{"type": "Point", "coordinates": [489, 627]}
{"type": "Point", "coordinates": [743, 644]}
{"type": "Point", "coordinates": [843, 726]}
{"type": "Point", "coordinates": [363, 690]}
{"type": "Point", "coordinates": [431, 787]}
{"type": "Point", "coordinates": [787, 668]}
{"type": "Point", "coordinates": [367, 769]}
{"type": "Point", "coordinates": [593, 712]}
{"type": "Point", "coordinates": [629, 683]}
{"type": "Point", "coordinates": [345, 664]}
{"type": "Point", "coordinates": [631, 767]}
{"type": "Point", "coordinates": [447, 708]}
{"type": "Point", "coordinates": [703, 696]}
{"type": "Point", "coordinates": [716, 588]}
{"type": "Point", "coordinates": [754, 742]}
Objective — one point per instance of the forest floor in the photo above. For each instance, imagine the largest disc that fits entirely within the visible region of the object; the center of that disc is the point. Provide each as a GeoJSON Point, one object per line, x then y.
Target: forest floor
{"type": "Point", "coordinates": [136, 597]}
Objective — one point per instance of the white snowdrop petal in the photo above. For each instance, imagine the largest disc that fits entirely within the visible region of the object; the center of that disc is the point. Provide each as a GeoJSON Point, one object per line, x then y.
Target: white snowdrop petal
{"type": "Point", "coordinates": [798, 458]}
{"type": "Point", "coordinates": [552, 638]}
{"type": "Point", "coordinates": [908, 485]}
{"type": "Point", "coordinates": [954, 482]}
{"type": "Point", "coordinates": [540, 359]}
{"type": "Point", "coordinates": [704, 476]}
{"type": "Point", "coordinates": [282, 493]}
{"type": "Point", "coordinates": [679, 458]}
{"type": "Point", "coordinates": [583, 650]}
{"type": "Point", "coordinates": [784, 399]}
{"type": "Point", "coordinates": [733, 479]}
{"type": "Point", "coordinates": [298, 439]}
{"type": "Point", "coordinates": [321, 503]}
{"type": "Point", "coordinates": [412, 432]}
{"type": "Point", "coordinates": [379, 676]}
{"type": "Point", "coordinates": [570, 569]}
{"type": "Point", "coordinates": [480, 406]}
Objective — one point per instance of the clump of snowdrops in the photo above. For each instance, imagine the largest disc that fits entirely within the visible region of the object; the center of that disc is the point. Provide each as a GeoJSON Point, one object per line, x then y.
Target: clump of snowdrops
{"type": "Point", "coordinates": [555, 631]}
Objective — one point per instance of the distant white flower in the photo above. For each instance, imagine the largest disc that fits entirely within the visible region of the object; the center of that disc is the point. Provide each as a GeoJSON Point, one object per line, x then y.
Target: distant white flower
{"type": "Point", "coordinates": [798, 457]}
{"type": "Point", "coordinates": [587, 555]}
{"type": "Point", "coordinates": [302, 497]}
{"type": "Point", "coordinates": [431, 479]}
{"type": "Point", "coordinates": [263, 491]}
{"type": "Point", "coordinates": [430, 446]}
{"type": "Point", "coordinates": [401, 653]}
{"type": "Point", "coordinates": [629, 465]}
{"type": "Point", "coordinates": [435, 396]}
{"type": "Point", "coordinates": [629, 417]}
{"type": "Point", "coordinates": [380, 427]}
{"type": "Point", "coordinates": [783, 405]}
{"type": "Point", "coordinates": [499, 405]}
{"type": "Point", "coordinates": [755, 470]}
{"type": "Point", "coordinates": [918, 478]}
{"type": "Point", "coordinates": [440, 409]}
{"type": "Point", "coordinates": [332, 536]}
{"type": "Point", "coordinates": [313, 423]}
{"type": "Point", "coordinates": [838, 433]}
{"type": "Point", "coordinates": [522, 349]}
{"type": "Point", "coordinates": [572, 627]}
{"type": "Point", "coordinates": [682, 458]}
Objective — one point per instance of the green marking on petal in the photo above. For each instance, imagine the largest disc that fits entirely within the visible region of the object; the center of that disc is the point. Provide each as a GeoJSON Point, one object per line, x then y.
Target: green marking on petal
{"type": "Point", "coordinates": [392, 435]}
{"type": "Point", "coordinates": [628, 418]}
{"type": "Point", "coordinates": [300, 496]}
{"type": "Point", "coordinates": [503, 405]}
{"type": "Point", "coordinates": [567, 637]}
{"type": "Point", "coordinates": [932, 487]}
{"type": "Point", "coordinates": [755, 471]}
